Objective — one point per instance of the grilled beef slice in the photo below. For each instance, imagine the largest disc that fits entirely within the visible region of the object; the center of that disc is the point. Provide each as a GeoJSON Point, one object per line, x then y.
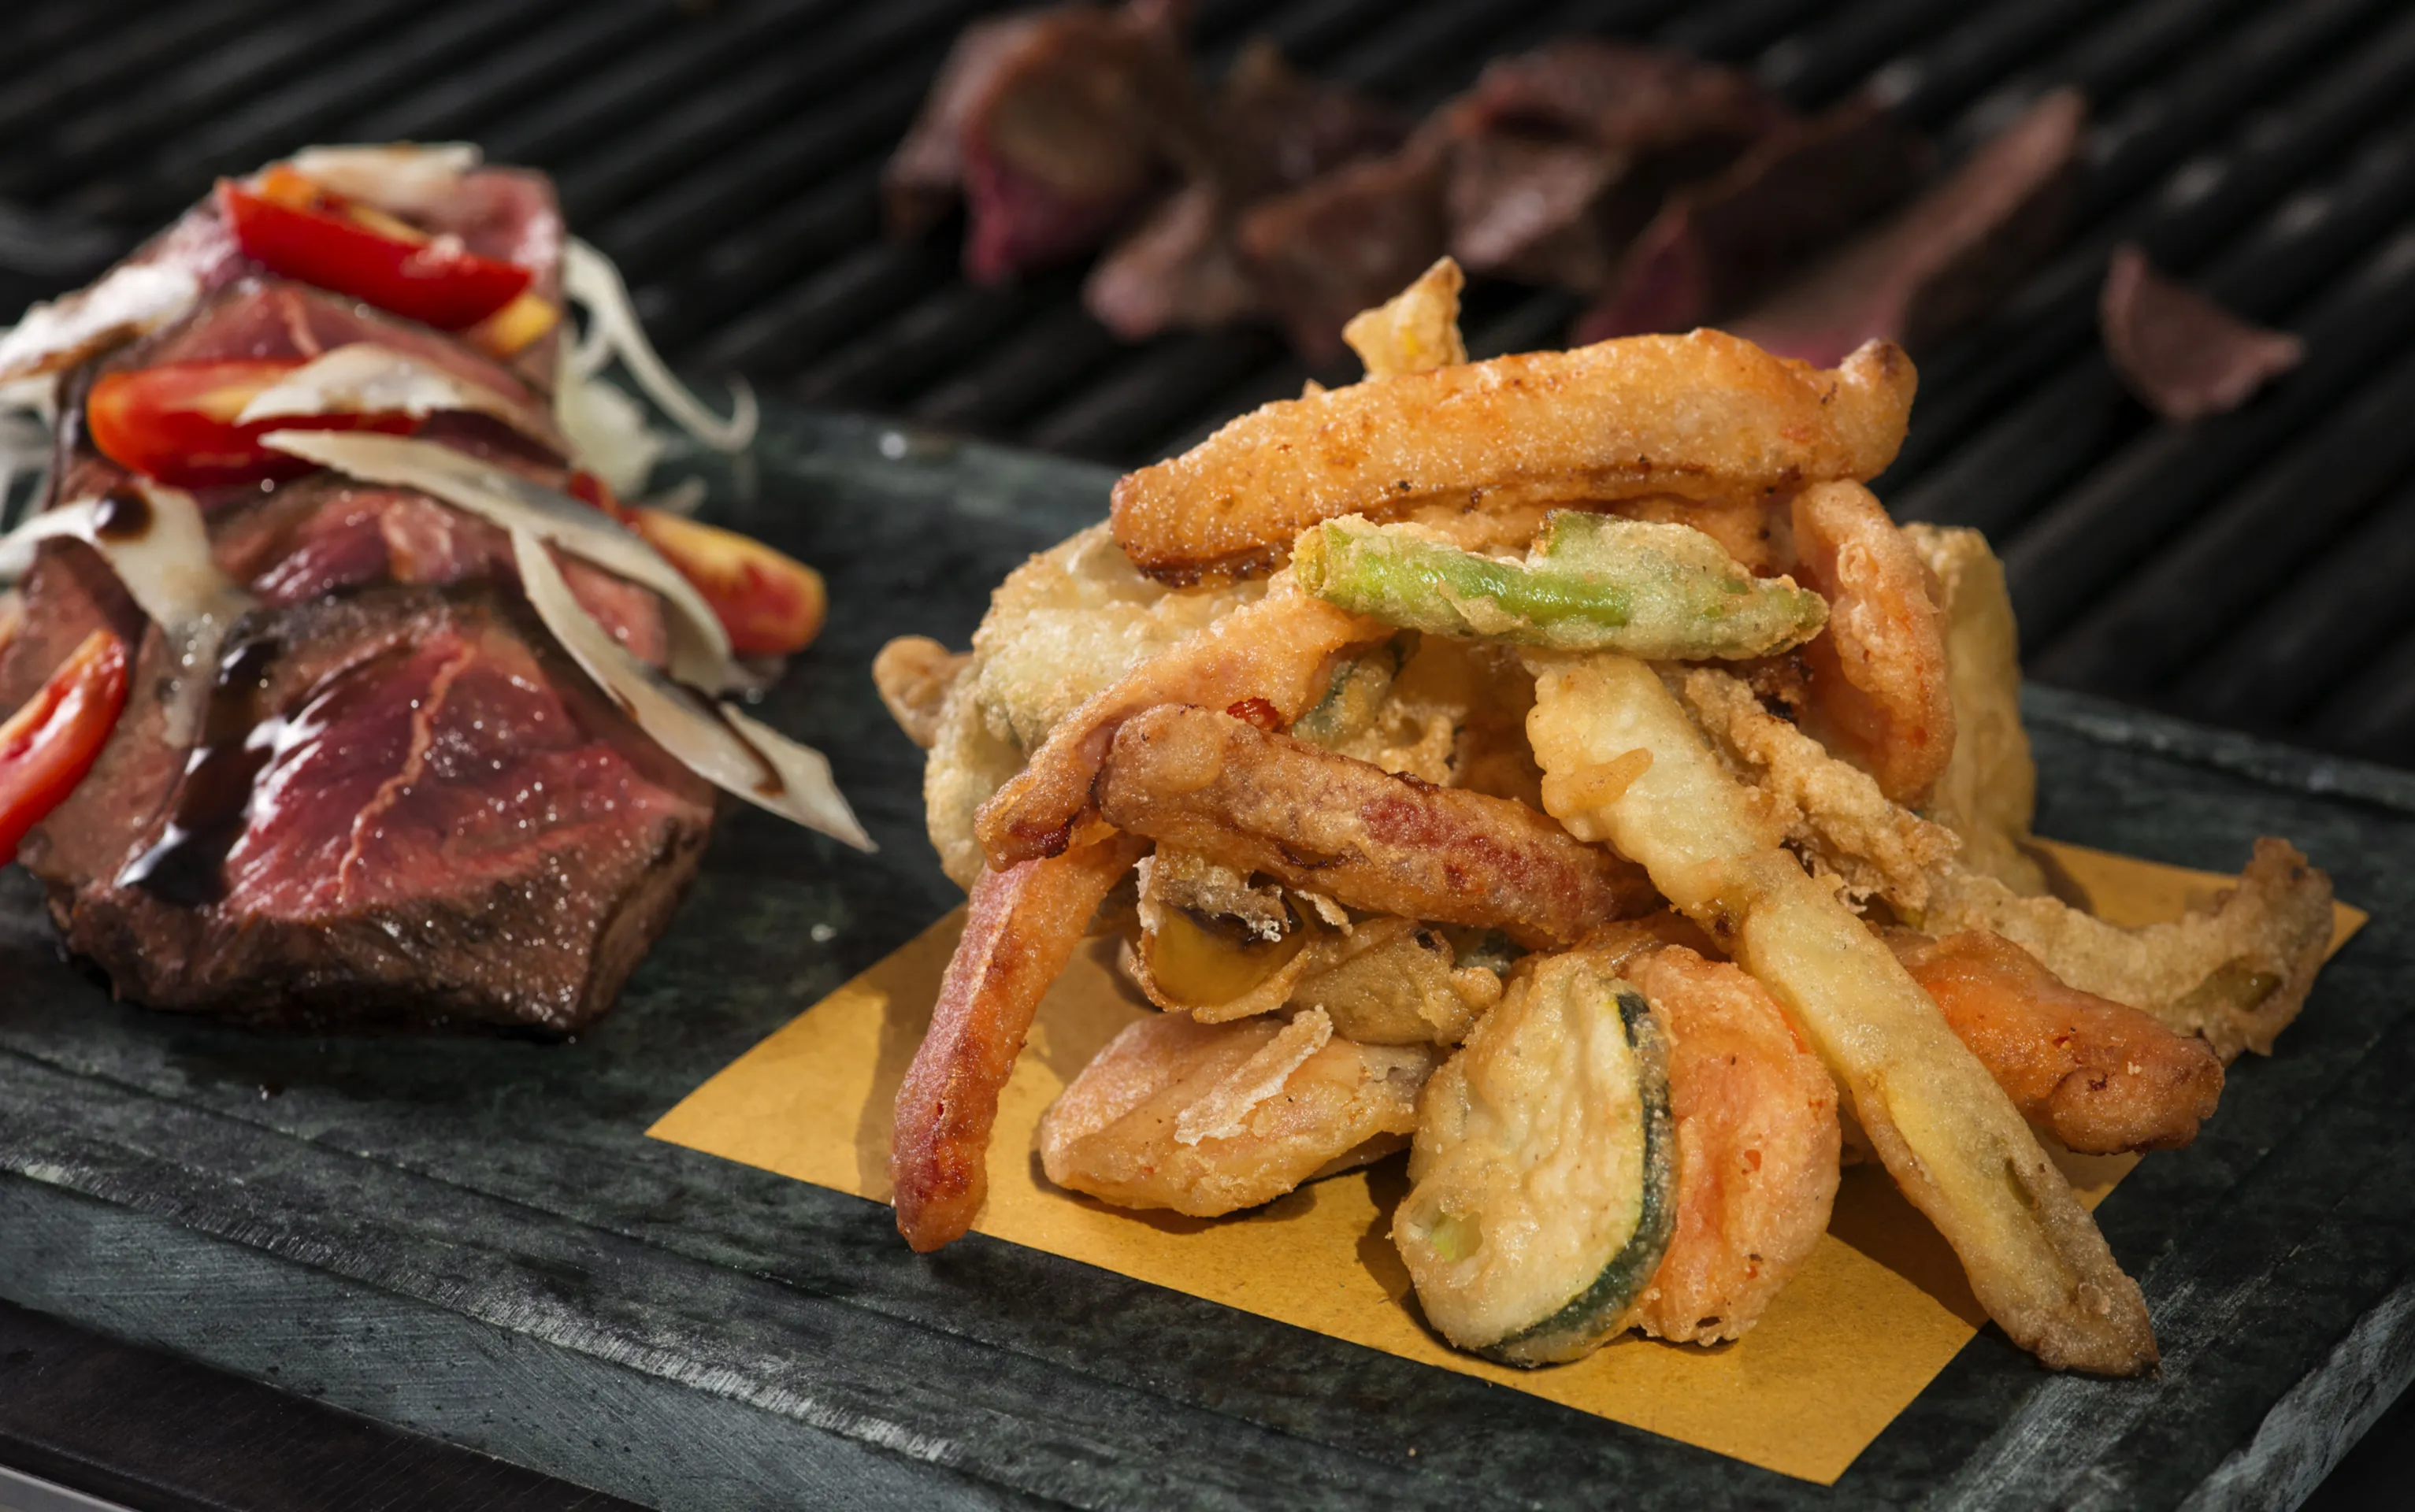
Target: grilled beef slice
{"type": "Point", "coordinates": [2184, 356]}
{"type": "Point", "coordinates": [407, 808]}
{"type": "Point", "coordinates": [1948, 257]}
{"type": "Point", "coordinates": [1718, 245]}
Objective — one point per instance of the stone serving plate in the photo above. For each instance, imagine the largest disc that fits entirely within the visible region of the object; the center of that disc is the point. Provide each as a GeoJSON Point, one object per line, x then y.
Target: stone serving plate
{"type": "Point", "coordinates": [471, 1236]}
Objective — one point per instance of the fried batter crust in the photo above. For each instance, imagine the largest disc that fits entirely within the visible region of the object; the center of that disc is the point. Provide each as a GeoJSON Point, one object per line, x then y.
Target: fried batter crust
{"type": "Point", "coordinates": [1331, 824]}
{"type": "Point", "coordinates": [2103, 1076]}
{"type": "Point", "coordinates": [1023, 926]}
{"type": "Point", "coordinates": [1878, 691]}
{"type": "Point", "coordinates": [1705, 415]}
{"type": "Point", "coordinates": [1207, 1119]}
{"type": "Point", "coordinates": [1757, 1145]}
{"type": "Point", "coordinates": [1280, 650]}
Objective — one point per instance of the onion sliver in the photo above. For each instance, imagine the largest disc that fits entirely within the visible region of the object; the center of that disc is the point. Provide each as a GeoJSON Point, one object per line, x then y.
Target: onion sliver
{"type": "Point", "coordinates": [151, 536]}
{"type": "Point", "coordinates": [717, 742]}
{"type": "Point", "coordinates": [401, 176]}
{"type": "Point", "coordinates": [588, 277]}
{"type": "Point", "coordinates": [700, 645]}
{"type": "Point", "coordinates": [133, 300]}
{"type": "Point", "coordinates": [364, 378]}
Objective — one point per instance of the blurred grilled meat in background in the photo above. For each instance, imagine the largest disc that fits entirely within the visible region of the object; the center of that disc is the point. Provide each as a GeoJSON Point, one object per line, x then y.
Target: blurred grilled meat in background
{"type": "Point", "coordinates": [2247, 568]}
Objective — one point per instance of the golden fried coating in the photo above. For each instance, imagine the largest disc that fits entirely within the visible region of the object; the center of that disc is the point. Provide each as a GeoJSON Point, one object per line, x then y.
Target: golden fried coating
{"type": "Point", "coordinates": [2235, 973]}
{"type": "Point", "coordinates": [1394, 981]}
{"type": "Point", "coordinates": [1327, 823]}
{"type": "Point", "coordinates": [1879, 693]}
{"type": "Point", "coordinates": [2102, 1076]}
{"type": "Point", "coordinates": [1417, 330]}
{"type": "Point", "coordinates": [914, 674]}
{"type": "Point", "coordinates": [1833, 812]}
{"type": "Point", "coordinates": [1758, 530]}
{"type": "Point", "coordinates": [1955, 1145]}
{"type": "Point", "coordinates": [1988, 790]}
{"type": "Point", "coordinates": [1207, 1119]}
{"type": "Point", "coordinates": [1280, 651]}
{"type": "Point", "coordinates": [1022, 929]}
{"type": "Point", "coordinates": [1703, 415]}
{"type": "Point", "coordinates": [1073, 620]}
{"type": "Point", "coordinates": [969, 760]}
{"type": "Point", "coordinates": [1757, 1148]}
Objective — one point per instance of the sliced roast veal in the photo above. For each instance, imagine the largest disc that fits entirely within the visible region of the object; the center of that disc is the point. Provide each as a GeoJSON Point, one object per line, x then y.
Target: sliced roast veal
{"type": "Point", "coordinates": [439, 820]}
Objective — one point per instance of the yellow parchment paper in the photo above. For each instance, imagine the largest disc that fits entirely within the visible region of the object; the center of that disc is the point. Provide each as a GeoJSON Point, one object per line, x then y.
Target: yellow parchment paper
{"type": "Point", "coordinates": [1876, 1312]}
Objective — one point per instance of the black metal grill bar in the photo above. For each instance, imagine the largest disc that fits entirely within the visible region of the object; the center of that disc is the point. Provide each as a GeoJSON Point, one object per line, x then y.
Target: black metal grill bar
{"type": "Point", "coordinates": [2065, 559]}
{"type": "Point", "coordinates": [631, 96]}
{"type": "Point", "coordinates": [2315, 635]}
{"type": "Point", "coordinates": [728, 155]}
{"type": "Point", "coordinates": [469, 98]}
{"type": "Point", "coordinates": [113, 125]}
{"type": "Point", "coordinates": [2244, 550]}
{"type": "Point", "coordinates": [1976, 384]}
{"type": "Point", "coordinates": [2001, 478]}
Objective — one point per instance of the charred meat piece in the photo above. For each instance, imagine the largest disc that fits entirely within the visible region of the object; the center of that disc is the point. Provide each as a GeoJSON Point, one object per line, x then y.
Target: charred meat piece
{"type": "Point", "coordinates": [1948, 257]}
{"type": "Point", "coordinates": [1274, 130]}
{"type": "Point", "coordinates": [406, 807]}
{"type": "Point", "coordinates": [2184, 356]}
{"type": "Point", "coordinates": [1718, 245]}
{"type": "Point", "coordinates": [1348, 241]}
{"type": "Point", "coordinates": [1561, 156]}
{"type": "Point", "coordinates": [1054, 125]}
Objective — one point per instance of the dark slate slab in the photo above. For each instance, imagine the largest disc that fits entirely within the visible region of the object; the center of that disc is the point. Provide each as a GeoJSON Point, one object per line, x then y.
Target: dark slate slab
{"type": "Point", "coordinates": [469, 1238]}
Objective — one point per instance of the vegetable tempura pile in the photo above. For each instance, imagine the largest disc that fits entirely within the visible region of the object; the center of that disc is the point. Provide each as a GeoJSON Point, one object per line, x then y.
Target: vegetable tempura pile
{"type": "Point", "coordinates": [1561, 767]}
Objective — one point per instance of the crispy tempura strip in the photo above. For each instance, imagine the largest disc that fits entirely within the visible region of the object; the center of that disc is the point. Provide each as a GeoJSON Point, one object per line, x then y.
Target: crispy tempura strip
{"type": "Point", "coordinates": [914, 674]}
{"type": "Point", "coordinates": [2101, 1076]}
{"type": "Point", "coordinates": [1022, 929]}
{"type": "Point", "coordinates": [1703, 415]}
{"type": "Point", "coordinates": [1198, 780]}
{"type": "Point", "coordinates": [1878, 691]}
{"type": "Point", "coordinates": [1280, 650]}
{"type": "Point", "coordinates": [1988, 793]}
{"type": "Point", "coordinates": [1952, 1142]}
{"type": "Point", "coordinates": [2236, 973]}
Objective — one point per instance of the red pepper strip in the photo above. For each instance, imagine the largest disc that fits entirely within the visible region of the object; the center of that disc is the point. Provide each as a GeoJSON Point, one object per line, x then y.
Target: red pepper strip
{"type": "Point", "coordinates": [435, 282]}
{"type": "Point", "coordinates": [48, 744]}
{"type": "Point", "coordinates": [176, 422]}
{"type": "Point", "coordinates": [772, 604]}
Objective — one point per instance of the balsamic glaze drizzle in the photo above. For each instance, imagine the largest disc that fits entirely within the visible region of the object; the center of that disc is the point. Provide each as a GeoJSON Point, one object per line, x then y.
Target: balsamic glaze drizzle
{"type": "Point", "coordinates": [187, 865]}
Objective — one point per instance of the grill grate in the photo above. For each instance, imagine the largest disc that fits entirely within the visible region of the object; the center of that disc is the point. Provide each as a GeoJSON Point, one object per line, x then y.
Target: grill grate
{"type": "Point", "coordinates": [2247, 569]}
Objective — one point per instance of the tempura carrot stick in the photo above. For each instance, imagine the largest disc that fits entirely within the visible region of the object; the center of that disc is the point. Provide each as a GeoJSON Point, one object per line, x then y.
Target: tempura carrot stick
{"type": "Point", "coordinates": [1023, 927]}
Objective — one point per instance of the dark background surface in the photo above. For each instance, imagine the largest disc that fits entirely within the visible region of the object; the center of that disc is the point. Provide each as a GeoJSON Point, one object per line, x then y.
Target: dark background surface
{"type": "Point", "coordinates": [2247, 571]}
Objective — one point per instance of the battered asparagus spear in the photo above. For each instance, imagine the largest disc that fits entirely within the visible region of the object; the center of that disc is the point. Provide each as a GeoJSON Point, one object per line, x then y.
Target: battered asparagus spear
{"type": "Point", "coordinates": [1593, 582]}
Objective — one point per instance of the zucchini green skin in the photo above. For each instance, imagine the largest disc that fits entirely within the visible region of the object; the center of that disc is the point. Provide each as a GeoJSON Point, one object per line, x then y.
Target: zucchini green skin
{"type": "Point", "coordinates": [1593, 1313]}
{"type": "Point", "coordinates": [1594, 582]}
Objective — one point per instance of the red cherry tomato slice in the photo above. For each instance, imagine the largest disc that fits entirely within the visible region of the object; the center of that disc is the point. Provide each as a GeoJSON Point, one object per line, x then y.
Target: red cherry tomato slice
{"type": "Point", "coordinates": [177, 422]}
{"type": "Point", "coordinates": [431, 281]}
{"type": "Point", "coordinates": [48, 744]}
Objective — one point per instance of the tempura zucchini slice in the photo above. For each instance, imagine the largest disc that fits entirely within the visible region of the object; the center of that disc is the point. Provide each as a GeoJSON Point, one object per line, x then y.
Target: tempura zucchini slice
{"type": "Point", "coordinates": [1544, 1169]}
{"type": "Point", "coordinates": [1949, 1136]}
